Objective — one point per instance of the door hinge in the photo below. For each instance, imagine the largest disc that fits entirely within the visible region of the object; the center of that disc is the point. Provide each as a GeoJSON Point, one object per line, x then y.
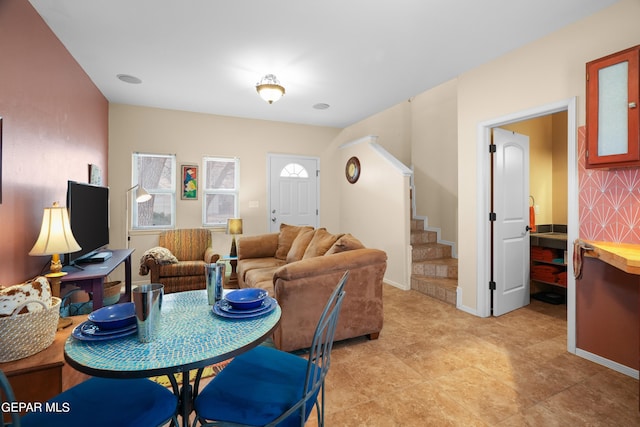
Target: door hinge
{"type": "Point", "coordinates": [317, 173]}
{"type": "Point", "coordinates": [492, 285]}
{"type": "Point", "coordinates": [492, 216]}
{"type": "Point", "coordinates": [587, 154]}
{"type": "Point", "coordinates": [492, 148]}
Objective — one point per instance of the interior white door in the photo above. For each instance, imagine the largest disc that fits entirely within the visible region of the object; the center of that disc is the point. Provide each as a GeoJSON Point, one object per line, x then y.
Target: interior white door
{"type": "Point", "coordinates": [293, 191]}
{"type": "Point", "coordinates": [511, 249]}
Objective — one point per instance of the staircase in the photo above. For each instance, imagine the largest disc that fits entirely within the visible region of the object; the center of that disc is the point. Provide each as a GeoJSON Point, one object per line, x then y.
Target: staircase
{"type": "Point", "coordinates": [433, 271]}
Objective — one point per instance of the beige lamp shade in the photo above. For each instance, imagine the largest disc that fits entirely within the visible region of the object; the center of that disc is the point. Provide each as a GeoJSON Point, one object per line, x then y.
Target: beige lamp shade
{"type": "Point", "coordinates": [55, 235]}
{"type": "Point", "coordinates": [234, 226]}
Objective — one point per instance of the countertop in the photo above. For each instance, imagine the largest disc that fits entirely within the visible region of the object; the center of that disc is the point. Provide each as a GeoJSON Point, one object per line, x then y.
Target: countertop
{"type": "Point", "coordinates": [624, 256]}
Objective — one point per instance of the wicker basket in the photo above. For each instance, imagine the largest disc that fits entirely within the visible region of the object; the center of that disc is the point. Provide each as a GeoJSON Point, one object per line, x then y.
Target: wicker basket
{"type": "Point", "coordinates": [22, 335]}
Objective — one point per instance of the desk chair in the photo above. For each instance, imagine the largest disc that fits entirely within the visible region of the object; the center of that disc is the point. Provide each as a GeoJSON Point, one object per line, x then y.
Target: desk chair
{"type": "Point", "coordinates": [269, 387]}
{"type": "Point", "coordinates": [99, 402]}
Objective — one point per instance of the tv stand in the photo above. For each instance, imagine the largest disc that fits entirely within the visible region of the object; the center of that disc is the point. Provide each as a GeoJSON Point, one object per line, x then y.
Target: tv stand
{"type": "Point", "coordinates": [91, 276]}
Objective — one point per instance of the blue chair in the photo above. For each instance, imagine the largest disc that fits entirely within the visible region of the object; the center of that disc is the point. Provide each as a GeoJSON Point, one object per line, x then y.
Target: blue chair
{"type": "Point", "coordinates": [100, 402]}
{"type": "Point", "coordinates": [269, 387]}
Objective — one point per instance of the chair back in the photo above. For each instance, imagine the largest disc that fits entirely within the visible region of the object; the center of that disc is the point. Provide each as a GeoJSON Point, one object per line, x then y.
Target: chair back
{"type": "Point", "coordinates": [6, 395]}
{"type": "Point", "coordinates": [320, 354]}
{"type": "Point", "coordinates": [188, 244]}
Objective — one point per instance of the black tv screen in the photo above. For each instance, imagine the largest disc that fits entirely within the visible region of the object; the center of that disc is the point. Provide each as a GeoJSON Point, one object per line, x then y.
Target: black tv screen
{"type": "Point", "coordinates": [88, 207]}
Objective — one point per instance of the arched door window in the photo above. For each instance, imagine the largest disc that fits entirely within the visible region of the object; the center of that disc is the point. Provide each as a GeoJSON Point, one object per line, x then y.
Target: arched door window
{"type": "Point", "coordinates": [294, 170]}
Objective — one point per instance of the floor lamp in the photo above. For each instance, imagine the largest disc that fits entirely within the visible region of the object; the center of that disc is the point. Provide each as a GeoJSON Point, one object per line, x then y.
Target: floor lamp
{"type": "Point", "coordinates": [141, 197]}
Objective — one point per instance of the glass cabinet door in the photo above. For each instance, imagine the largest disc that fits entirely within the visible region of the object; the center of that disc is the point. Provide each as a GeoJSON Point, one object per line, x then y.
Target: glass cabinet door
{"type": "Point", "coordinates": [612, 110]}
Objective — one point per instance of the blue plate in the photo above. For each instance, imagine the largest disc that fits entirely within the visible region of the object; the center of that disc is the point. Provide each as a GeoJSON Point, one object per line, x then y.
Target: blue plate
{"type": "Point", "coordinates": [272, 304]}
{"type": "Point", "coordinates": [77, 334]}
{"type": "Point", "coordinates": [246, 298]}
{"type": "Point", "coordinates": [91, 329]}
{"type": "Point", "coordinates": [114, 316]}
{"type": "Point", "coordinates": [226, 306]}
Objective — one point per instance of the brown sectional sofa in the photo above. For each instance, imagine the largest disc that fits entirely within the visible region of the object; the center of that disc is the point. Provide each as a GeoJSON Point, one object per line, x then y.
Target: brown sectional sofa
{"type": "Point", "coordinates": [300, 267]}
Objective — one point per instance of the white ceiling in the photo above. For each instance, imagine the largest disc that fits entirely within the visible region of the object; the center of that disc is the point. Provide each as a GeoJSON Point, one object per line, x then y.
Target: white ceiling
{"type": "Point", "coordinates": [358, 56]}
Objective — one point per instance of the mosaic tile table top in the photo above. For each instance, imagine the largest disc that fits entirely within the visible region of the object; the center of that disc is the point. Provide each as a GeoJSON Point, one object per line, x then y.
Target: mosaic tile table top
{"type": "Point", "coordinates": [190, 336]}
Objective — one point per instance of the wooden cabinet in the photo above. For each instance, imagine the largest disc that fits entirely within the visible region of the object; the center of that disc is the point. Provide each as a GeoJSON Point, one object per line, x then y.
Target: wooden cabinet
{"type": "Point", "coordinates": [613, 110]}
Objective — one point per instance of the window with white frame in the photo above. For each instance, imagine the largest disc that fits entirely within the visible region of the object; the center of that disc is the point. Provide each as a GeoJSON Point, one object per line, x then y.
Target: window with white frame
{"type": "Point", "coordinates": [156, 173]}
{"type": "Point", "coordinates": [220, 189]}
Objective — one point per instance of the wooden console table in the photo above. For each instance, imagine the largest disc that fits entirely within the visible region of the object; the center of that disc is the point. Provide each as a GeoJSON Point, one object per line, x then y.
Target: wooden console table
{"type": "Point", "coordinates": [90, 277]}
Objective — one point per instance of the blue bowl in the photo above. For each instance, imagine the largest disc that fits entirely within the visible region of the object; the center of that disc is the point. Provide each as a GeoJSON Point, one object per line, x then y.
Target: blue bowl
{"type": "Point", "coordinates": [114, 316]}
{"type": "Point", "coordinates": [244, 299]}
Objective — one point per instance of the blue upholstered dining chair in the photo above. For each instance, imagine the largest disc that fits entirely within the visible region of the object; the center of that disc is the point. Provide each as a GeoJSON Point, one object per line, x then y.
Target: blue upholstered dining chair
{"type": "Point", "coordinates": [99, 402]}
{"type": "Point", "coordinates": [269, 387]}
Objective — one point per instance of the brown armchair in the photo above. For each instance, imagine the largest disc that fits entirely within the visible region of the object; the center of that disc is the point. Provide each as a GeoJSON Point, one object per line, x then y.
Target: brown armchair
{"type": "Point", "coordinates": [192, 248]}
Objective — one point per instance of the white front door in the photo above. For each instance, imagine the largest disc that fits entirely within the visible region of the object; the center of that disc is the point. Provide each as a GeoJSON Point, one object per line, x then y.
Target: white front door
{"type": "Point", "coordinates": [511, 249]}
{"type": "Point", "coordinates": [293, 191]}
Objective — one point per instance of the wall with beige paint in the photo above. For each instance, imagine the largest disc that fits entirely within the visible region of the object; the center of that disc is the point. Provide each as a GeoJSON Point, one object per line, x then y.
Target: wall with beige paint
{"type": "Point", "coordinates": [422, 134]}
{"type": "Point", "coordinates": [543, 72]}
{"type": "Point", "coordinates": [192, 136]}
{"type": "Point", "coordinates": [376, 208]}
{"type": "Point", "coordinates": [434, 150]}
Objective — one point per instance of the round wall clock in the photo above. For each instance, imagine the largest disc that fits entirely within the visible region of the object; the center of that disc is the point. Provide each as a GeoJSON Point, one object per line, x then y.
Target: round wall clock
{"type": "Point", "coordinates": [352, 170]}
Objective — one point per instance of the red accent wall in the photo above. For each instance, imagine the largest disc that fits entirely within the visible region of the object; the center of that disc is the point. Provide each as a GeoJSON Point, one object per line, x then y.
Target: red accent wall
{"type": "Point", "coordinates": [55, 123]}
{"type": "Point", "coordinates": [609, 201]}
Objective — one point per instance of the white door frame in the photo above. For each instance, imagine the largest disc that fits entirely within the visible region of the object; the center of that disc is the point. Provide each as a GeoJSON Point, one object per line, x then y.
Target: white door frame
{"type": "Point", "coordinates": [483, 249]}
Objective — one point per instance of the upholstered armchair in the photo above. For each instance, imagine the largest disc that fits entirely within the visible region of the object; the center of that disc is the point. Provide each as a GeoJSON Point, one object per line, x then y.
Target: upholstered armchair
{"type": "Point", "coordinates": [179, 261]}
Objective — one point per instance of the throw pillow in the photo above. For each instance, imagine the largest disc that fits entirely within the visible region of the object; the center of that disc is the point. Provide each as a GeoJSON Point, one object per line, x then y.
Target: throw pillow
{"type": "Point", "coordinates": [288, 234]}
{"type": "Point", "coordinates": [345, 243]}
{"type": "Point", "coordinates": [14, 296]}
{"type": "Point", "coordinates": [299, 245]}
{"type": "Point", "coordinates": [321, 242]}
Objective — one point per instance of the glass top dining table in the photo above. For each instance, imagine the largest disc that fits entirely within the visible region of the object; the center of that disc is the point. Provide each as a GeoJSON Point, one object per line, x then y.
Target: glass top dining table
{"type": "Point", "coordinates": [191, 337]}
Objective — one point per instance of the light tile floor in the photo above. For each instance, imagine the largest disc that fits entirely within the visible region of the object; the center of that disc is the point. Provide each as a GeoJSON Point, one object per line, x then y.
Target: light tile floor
{"type": "Point", "coordinates": [434, 365]}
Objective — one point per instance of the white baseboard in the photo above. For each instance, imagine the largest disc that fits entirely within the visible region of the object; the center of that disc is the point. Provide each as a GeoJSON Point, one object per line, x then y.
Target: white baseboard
{"type": "Point", "coordinates": [397, 285]}
{"type": "Point", "coordinates": [633, 373]}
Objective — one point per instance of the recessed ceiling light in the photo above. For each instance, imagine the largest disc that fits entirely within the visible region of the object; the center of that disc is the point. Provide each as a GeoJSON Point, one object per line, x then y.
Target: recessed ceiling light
{"type": "Point", "coordinates": [321, 106]}
{"type": "Point", "coordinates": [129, 79]}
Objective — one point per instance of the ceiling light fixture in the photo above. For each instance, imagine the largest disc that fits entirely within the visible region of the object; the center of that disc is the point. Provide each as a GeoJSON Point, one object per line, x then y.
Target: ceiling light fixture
{"type": "Point", "coordinates": [270, 89]}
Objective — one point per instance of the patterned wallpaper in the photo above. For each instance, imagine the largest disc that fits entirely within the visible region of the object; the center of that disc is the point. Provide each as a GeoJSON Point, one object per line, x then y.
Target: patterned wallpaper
{"type": "Point", "coordinates": [609, 201]}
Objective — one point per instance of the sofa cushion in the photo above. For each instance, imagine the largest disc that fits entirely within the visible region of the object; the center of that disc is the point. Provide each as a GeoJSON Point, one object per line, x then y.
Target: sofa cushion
{"type": "Point", "coordinates": [299, 245]}
{"type": "Point", "coordinates": [247, 265]}
{"type": "Point", "coordinates": [345, 243]}
{"type": "Point", "coordinates": [184, 268]}
{"type": "Point", "coordinates": [288, 234]}
{"type": "Point", "coordinates": [258, 275]}
{"type": "Point", "coordinates": [320, 243]}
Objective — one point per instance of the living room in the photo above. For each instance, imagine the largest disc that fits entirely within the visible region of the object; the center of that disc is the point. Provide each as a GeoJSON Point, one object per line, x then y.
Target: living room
{"type": "Point", "coordinates": [60, 118]}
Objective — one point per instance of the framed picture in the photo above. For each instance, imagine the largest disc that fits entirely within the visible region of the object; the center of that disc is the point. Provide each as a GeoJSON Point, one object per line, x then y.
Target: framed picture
{"type": "Point", "coordinates": [95, 175]}
{"type": "Point", "coordinates": [189, 182]}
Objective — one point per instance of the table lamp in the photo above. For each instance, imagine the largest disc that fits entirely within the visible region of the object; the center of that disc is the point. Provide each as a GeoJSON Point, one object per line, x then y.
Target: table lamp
{"type": "Point", "coordinates": [55, 238]}
{"type": "Point", "coordinates": [234, 226]}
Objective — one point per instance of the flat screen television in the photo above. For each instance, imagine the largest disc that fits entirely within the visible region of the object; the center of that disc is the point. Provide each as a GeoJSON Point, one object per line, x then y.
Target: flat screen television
{"type": "Point", "coordinates": [88, 207]}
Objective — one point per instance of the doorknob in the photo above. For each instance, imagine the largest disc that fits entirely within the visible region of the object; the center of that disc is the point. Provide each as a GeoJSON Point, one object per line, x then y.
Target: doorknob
{"type": "Point", "coordinates": [527, 228]}
{"type": "Point", "coordinates": [273, 219]}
